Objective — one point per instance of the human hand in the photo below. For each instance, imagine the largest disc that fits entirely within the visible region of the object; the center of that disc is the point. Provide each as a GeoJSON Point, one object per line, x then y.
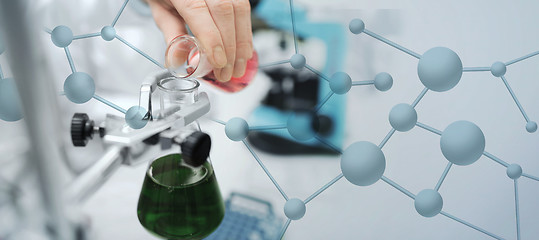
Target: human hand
{"type": "Point", "coordinates": [222, 26]}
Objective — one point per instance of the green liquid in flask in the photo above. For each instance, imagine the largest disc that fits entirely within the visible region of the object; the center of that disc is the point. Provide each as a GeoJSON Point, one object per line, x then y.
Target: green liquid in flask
{"type": "Point", "coordinates": [178, 201]}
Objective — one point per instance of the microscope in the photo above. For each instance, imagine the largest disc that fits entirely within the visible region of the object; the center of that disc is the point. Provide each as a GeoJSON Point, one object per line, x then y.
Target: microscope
{"type": "Point", "coordinates": [296, 91]}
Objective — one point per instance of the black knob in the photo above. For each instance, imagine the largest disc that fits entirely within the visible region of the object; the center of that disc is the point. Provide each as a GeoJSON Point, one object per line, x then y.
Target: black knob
{"type": "Point", "coordinates": [323, 125]}
{"type": "Point", "coordinates": [82, 129]}
{"type": "Point", "coordinates": [196, 148]}
{"type": "Point", "coordinates": [254, 3]}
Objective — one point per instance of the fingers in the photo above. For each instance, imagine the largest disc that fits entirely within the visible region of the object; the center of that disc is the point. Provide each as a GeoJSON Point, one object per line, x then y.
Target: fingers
{"type": "Point", "coordinates": [197, 16]}
{"type": "Point", "coordinates": [223, 28]}
{"type": "Point", "coordinates": [244, 36]}
{"type": "Point", "coordinates": [222, 12]}
{"type": "Point", "coordinates": [168, 20]}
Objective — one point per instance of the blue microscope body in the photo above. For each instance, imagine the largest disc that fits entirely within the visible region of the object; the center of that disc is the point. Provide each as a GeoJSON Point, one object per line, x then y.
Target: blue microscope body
{"type": "Point", "coordinates": [331, 116]}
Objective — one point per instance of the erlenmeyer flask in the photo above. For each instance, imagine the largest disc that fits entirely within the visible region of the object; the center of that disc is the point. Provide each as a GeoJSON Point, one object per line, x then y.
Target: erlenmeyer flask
{"type": "Point", "coordinates": [179, 201]}
{"type": "Point", "coordinates": [185, 58]}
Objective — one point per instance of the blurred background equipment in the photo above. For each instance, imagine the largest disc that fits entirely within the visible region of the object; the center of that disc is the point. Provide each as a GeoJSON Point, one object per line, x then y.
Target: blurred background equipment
{"type": "Point", "coordinates": [296, 89]}
{"type": "Point", "coordinates": [247, 218]}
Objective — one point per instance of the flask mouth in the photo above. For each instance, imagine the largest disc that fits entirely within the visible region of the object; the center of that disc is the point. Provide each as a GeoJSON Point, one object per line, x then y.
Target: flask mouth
{"type": "Point", "coordinates": [185, 57]}
{"type": "Point", "coordinates": [180, 85]}
{"type": "Point", "coordinates": [176, 93]}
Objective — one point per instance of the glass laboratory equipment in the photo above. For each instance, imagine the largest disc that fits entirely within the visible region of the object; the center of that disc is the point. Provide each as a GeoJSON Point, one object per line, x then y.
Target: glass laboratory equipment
{"type": "Point", "coordinates": [185, 58]}
{"type": "Point", "coordinates": [180, 201]}
{"type": "Point", "coordinates": [180, 197]}
{"type": "Point", "coordinates": [174, 93]}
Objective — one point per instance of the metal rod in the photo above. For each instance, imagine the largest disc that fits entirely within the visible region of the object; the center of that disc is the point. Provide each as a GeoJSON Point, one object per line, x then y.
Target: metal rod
{"type": "Point", "coordinates": [390, 43]}
{"type": "Point", "coordinates": [388, 136]}
{"type": "Point", "coordinates": [94, 177]}
{"type": "Point", "coordinates": [265, 170]}
{"type": "Point", "coordinates": [324, 188]}
{"type": "Point", "coordinates": [40, 109]}
{"type": "Point", "coordinates": [442, 178]}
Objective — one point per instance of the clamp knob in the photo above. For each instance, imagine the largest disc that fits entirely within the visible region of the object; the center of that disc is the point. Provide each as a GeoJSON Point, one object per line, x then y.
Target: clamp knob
{"type": "Point", "coordinates": [82, 129]}
{"type": "Point", "coordinates": [196, 148]}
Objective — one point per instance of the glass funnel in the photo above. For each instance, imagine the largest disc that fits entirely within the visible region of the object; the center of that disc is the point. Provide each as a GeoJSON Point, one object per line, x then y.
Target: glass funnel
{"type": "Point", "coordinates": [179, 201]}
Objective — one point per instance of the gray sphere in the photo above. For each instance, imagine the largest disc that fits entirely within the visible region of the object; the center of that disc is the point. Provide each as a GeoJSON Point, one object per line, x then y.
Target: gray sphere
{"type": "Point", "coordinates": [79, 87]}
{"type": "Point", "coordinates": [10, 103]}
{"type": "Point", "coordinates": [462, 143]}
{"type": "Point", "coordinates": [403, 117]}
{"type": "Point", "coordinates": [294, 209]}
{"type": "Point", "coordinates": [383, 81]}
{"type": "Point", "coordinates": [236, 129]}
{"type": "Point", "coordinates": [514, 171]}
{"type": "Point", "coordinates": [62, 36]}
{"type": "Point", "coordinates": [531, 127]}
{"type": "Point", "coordinates": [300, 126]}
{"type": "Point", "coordinates": [356, 26]}
{"type": "Point", "coordinates": [428, 203]}
{"type": "Point", "coordinates": [108, 33]}
{"type": "Point", "coordinates": [340, 83]}
{"type": "Point", "coordinates": [134, 117]}
{"type": "Point", "coordinates": [439, 69]}
{"type": "Point", "coordinates": [498, 69]}
{"type": "Point", "coordinates": [298, 61]}
{"type": "Point", "coordinates": [363, 163]}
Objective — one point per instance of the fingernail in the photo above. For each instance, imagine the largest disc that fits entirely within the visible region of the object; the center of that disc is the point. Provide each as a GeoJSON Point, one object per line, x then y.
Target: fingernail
{"type": "Point", "coordinates": [239, 68]}
{"type": "Point", "coordinates": [226, 74]}
{"type": "Point", "coordinates": [219, 56]}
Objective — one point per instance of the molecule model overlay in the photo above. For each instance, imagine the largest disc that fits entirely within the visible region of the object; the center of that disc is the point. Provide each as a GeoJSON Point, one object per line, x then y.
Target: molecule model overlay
{"type": "Point", "coordinates": [79, 87]}
{"type": "Point", "coordinates": [514, 171]}
{"type": "Point", "coordinates": [294, 209]}
{"type": "Point", "coordinates": [340, 83]}
{"type": "Point", "coordinates": [108, 33]}
{"type": "Point", "coordinates": [383, 81]}
{"type": "Point", "coordinates": [298, 61]}
{"type": "Point", "coordinates": [62, 36]}
{"type": "Point", "coordinates": [300, 126]}
{"type": "Point", "coordinates": [428, 203]}
{"type": "Point", "coordinates": [462, 143]}
{"type": "Point", "coordinates": [356, 26]}
{"type": "Point", "coordinates": [531, 126]}
{"type": "Point", "coordinates": [498, 69]}
{"type": "Point", "coordinates": [439, 69]}
{"type": "Point", "coordinates": [10, 105]}
{"type": "Point", "coordinates": [363, 163]}
{"type": "Point", "coordinates": [237, 129]}
{"type": "Point", "coordinates": [403, 117]}
{"type": "Point", "coordinates": [134, 117]}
